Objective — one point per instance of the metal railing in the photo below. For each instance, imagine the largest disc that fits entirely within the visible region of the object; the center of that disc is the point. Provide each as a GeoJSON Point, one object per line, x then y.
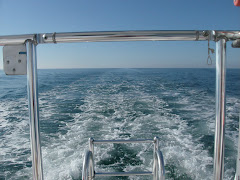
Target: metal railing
{"type": "Point", "coordinates": [88, 166]}
{"type": "Point", "coordinates": [33, 106]}
{"type": "Point", "coordinates": [32, 40]}
{"type": "Point", "coordinates": [158, 172]}
{"type": "Point", "coordinates": [106, 36]}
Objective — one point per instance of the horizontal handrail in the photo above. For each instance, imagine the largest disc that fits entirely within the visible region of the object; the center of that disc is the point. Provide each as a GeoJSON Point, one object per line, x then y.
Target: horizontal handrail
{"type": "Point", "coordinates": [122, 36]}
{"type": "Point", "coordinates": [16, 39]}
{"type": "Point", "coordinates": [123, 141]}
{"type": "Point", "coordinates": [106, 36]}
{"type": "Point", "coordinates": [123, 174]}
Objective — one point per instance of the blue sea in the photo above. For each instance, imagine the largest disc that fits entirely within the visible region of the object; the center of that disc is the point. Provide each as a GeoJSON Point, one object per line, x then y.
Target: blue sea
{"type": "Point", "coordinates": [177, 105]}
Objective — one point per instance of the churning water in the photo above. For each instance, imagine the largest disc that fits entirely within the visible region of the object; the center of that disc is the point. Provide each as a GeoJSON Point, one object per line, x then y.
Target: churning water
{"type": "Point", "coordinates": [177, 105]}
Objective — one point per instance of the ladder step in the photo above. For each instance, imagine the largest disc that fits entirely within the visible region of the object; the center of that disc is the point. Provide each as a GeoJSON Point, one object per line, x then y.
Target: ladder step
{"type": "Point", "coordinates": [123, 174]}
{"type": "Point", "coordinates": [88, 171]}
{"type": "Point", "coordinates": [123, 141]}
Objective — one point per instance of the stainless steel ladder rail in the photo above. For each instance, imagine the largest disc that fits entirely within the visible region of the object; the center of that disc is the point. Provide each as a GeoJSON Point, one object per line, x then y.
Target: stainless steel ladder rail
{"type": "Point", "coordinates": [88, 166]}
{"type": "Point", "coordinates": [88, 172]}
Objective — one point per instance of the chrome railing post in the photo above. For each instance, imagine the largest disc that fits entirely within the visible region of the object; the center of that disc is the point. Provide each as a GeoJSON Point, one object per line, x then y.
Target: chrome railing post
{"type": "Point", "coordinates": [220, 109]}
{"type": "Point", "coordinates": [155, 148]}
{"type": "Point", "coordinates": [91, 148]}
{"type": "Point", "coordinates": [32, 88]}
{"type": "Point", "coordinates": [88, 169]}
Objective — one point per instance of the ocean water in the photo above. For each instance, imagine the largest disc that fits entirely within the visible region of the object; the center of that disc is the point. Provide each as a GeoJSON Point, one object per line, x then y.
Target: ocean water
{"type": "Point", "coordinates": [177, 105]}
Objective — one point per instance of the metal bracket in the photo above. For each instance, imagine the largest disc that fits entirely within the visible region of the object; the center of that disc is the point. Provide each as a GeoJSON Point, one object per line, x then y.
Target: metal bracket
{"type": "Point", "coordinates": [15, 60]}
{"type": "Point", "coordinates": [236, 43]}
{"type": "Point", "coordinates": [209, 35]}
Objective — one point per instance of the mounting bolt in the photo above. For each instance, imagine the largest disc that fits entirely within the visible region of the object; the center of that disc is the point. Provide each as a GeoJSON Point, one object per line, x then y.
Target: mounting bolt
{"type": "Point", "coordinates": [14, 69]}
{"type": "Point", "coordinates": [45, 37]}
{"type": "Point", "coordinates": [205, 33]}
{"type": "Point", "coordinates": [19, 61]}
{"type": "Point", "coordinates": [8, 61]}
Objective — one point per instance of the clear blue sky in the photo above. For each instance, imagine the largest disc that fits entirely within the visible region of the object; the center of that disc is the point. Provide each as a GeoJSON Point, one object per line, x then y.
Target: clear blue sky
{"type": "Point", "coordinates": [21, 17]}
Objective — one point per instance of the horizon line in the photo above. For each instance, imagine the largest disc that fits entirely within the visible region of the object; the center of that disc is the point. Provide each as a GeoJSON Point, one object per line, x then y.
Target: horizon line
{"type": "Point", "coordinates": [135, 68]}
